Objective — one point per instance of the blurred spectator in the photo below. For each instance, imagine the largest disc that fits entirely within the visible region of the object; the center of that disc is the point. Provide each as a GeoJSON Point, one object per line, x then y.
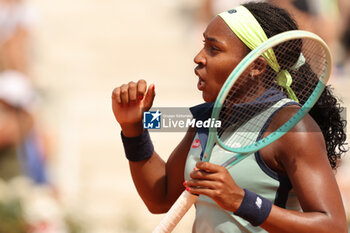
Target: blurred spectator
{"type": "Point", "coordinates": [19, 135]}
{"type": "Point", "coordinates": [344, 51]}
{"type": "Point", "coordinates": [324, 18]}
{"type": "Point", "coordinates": [346, 39]}
{"type": "Point", "coordinates": [16, 21]}
{"type": "Point", "coordinates": [21, 147]}
{"type": "Point", "coordinates": [24, 185]}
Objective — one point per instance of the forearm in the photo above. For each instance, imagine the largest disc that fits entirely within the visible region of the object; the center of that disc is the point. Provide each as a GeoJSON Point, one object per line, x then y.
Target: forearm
{"type": "Point", "coordinates": [282, 220]}
{"type": "Point", "coordinates": [147, 168]}
{"type": "Point", "coordinates": [148, 171]}
{"type": "Point", "coordinates": [159, 183]}
{"type": "Point", "coordinates": [150, 180]}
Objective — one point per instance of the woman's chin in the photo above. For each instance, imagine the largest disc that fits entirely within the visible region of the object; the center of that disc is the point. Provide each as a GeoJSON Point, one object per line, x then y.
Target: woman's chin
{"type": "Point", "coordinates": [208, 98]}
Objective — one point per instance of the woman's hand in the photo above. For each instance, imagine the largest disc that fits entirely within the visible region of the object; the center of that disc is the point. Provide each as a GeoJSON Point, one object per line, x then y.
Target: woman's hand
{"type": "Point", "coordinates": [129, 101]}
{"type": "Point", "coordinates": [215, 182]}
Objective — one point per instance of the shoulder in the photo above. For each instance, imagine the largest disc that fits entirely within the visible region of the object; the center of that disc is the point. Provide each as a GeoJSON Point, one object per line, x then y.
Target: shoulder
{"type": "Point", "coordinates": [303, 145]}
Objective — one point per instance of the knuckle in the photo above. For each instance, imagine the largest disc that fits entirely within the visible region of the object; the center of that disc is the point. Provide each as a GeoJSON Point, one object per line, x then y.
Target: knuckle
{"type": "Point", "coordinates": [124, 90]}
{"type": "Point", "coordinates": [220, 186]}
{"type": "Point", "coordinates": [221, 178]}
{"type": "Point", "coordinates": [205, 165]}
{"type": "Point", "coordinates": [142, 81]}
{"type": "Point", "coordinates": [196, 174]}
{"type": "Point", "coordinates": [132, 84]}
{"type": "Point", "coordinates": [200, 164]}
{"type": "Point", "coordinates": [115, 92]}
{"type": "Point", "coordinates": [218, 193]}
{"type": "Point", "coordinates": [192, 183]}
{"type": "Point", "coordinates": [193, 175]}
{"type": "Point", "coordinates": [224, 169]}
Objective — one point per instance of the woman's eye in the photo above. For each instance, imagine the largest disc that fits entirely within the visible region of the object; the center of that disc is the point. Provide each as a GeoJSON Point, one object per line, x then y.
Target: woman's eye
{"type": "Point", "coordinates": [215, 48]}
{"type": "Point", "coordinates": [210, 46]}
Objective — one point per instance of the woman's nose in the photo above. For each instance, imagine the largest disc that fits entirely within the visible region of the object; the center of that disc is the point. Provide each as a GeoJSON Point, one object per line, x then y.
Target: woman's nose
{"type": "Point", "coordinates": [200, 58]}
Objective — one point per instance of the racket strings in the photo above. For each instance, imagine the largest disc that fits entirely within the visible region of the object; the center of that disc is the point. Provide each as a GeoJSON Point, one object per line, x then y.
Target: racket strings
{"type": "Point", "coordinates": [309, 75]}
{"type": "Point", "coordinates": [252, 99]}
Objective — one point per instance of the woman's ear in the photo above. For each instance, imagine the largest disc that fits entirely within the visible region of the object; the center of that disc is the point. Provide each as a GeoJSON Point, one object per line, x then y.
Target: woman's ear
{"type": "Point", "coordinates": [258, 67]}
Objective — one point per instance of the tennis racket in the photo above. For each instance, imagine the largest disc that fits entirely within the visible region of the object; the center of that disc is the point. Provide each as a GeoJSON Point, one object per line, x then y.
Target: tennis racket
{"type": "Point", "coordinates": [244, 101]}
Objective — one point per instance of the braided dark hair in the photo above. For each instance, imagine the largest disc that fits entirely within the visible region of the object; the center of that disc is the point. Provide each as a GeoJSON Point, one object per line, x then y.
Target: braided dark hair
{"type": "Point", "coordinates": [327, 110]}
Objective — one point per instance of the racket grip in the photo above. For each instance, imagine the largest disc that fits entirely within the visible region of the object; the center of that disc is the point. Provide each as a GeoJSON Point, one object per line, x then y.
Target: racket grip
{"type": "Point", "coordinates": [176, 212]}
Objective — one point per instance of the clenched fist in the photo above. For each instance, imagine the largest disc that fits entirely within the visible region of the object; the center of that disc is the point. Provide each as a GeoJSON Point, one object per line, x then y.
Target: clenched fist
{"type": "Point", "coordinates": [129, 101]}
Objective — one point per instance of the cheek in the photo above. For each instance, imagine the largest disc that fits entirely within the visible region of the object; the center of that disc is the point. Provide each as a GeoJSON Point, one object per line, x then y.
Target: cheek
{"type": "Point", "coordinates": [212, 89]}
{"type": "Point", "coordinates": [218, 71]}
{"type": "Point", "coordinates": [222, 72]}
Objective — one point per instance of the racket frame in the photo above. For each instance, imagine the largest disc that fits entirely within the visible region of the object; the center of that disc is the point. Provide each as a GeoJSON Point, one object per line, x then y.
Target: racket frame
{"type": "Point", "coordinates": [240, 68]}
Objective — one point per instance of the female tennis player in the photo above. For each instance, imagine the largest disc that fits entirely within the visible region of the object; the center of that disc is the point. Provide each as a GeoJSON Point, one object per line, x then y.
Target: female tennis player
{"type": "Point", "coordinates": [288, 186]}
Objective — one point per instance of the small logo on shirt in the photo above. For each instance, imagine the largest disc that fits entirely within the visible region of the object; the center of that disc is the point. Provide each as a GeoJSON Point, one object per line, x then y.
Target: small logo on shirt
{"type": "Point", "coordinates": [258, 202]}
{"type": "Point", "coordinates": [196, 143]}
{"type": "Point", "coordinates": [151, 120]}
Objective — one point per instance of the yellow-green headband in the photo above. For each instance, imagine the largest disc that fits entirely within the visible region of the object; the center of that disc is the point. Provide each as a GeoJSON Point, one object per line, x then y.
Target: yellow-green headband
{"type": "Point", "coordinates": [241, 21]}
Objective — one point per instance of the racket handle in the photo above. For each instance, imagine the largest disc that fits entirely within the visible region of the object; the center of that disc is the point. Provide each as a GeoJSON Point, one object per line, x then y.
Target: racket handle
{"type": "Point", "coordinates": [176, 212]}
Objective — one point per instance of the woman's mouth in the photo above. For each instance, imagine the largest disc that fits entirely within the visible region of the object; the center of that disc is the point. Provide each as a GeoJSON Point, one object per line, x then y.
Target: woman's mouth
{"type": "Point", "coordinates": [200, 84]}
